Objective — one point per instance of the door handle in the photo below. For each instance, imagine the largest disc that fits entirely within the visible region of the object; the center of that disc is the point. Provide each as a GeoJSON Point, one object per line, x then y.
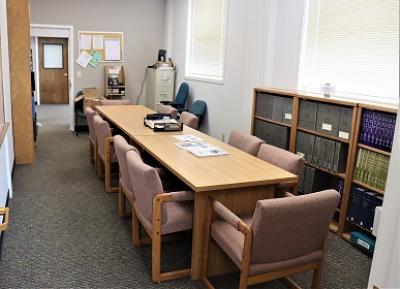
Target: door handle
{"type": "Point", "coordinates": [5, 212]}
{"type": "Point", "coordinates": [65, 74]}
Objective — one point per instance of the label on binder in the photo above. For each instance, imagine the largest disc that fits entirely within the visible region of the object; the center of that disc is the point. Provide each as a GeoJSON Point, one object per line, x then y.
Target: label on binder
{"type": "Point", "coordinates": [343, 134]}
{"type": "Point", "coordinates": [301, 154]}
{"type": "Point", "coordinates": [288, 116]}
{"type": "Point", "coordinates": [326, 126]}
{"type": "Point", "coordinates": [362, 243]}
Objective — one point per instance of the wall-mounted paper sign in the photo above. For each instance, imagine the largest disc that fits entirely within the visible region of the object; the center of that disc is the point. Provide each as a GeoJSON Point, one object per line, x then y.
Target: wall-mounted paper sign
{"type": "Point", "coordinates": [112, 47]}
{"type": "Point", "coordinates": [85, 42]}
{"type": "Point", "coordinates": [96, 58]}
{"type": "Point", "coordinates": [84, 59]}
{"type": "Point", "coordinates": [98, 42]}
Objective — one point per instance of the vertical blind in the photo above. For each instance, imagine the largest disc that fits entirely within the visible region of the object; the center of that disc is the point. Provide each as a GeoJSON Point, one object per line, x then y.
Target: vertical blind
{"type": "Point", "coordinates": [354, 46]}
{"type": "Point", "coordinates": [206, 39]}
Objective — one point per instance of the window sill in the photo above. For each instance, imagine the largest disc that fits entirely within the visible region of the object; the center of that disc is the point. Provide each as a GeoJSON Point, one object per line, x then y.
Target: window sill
{"type": "Point", "coordinates": [205, 79]}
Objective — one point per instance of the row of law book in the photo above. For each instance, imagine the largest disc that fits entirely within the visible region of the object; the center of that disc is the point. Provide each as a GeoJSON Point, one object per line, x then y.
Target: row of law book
{"type": "Point", "coordinates": [330, 119]}
{"type": "Point", "coordinates": [273, 134]}
{"type": "Point", "coordinates": [278, 108]}
{"type": "Point", "coordinates": [362, 207]}
{"type": "Point", "coordinates": [322, 152]}
{"type": "Point", "coordinates": [371, 168]}
{"type": "Point", "coordinates": [377, 129]}
{"type": "Point", "coordinates": [313, 180]}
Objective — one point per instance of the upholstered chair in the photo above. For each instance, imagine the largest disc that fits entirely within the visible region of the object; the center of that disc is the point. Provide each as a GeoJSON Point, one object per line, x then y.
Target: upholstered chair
{"type": "Point", "coordinates": [90, 113]}
{"type": "Point", "coordinates": [162, 108]}
{"type": "Point", "coordinates": [285, 160]}
{"type": "Point", "coordinates": [114, 101]}
{"type": "Point", "coordinates": [245, 142]}
{"type": "Point", "coordinates": [284, 236]}
{"type": "Point", "coordinates": [158, 212]}
{"type": "Point", "coordinates": [105, 153]}
{"type": "Point", "coordinates": [189, 120]}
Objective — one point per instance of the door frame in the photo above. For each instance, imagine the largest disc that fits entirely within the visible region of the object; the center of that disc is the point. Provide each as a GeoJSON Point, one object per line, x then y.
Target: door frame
{"type": "Point", "coordinates": [57, 31]}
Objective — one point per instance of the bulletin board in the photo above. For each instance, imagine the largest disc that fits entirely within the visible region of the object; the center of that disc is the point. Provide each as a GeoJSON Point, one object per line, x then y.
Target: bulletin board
{"type": "Point", "coordinates": [110, 45]}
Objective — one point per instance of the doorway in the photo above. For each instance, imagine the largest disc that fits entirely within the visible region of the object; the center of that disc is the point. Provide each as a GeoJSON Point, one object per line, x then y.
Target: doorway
{"type": "Point", "coordinates": [53, 70]}
{"type": "Point", "coordinates": [50, 31]}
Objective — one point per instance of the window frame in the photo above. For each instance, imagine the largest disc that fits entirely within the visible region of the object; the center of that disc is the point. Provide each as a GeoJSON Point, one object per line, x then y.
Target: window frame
{"type": "Point", "coordinates": [198, 77]}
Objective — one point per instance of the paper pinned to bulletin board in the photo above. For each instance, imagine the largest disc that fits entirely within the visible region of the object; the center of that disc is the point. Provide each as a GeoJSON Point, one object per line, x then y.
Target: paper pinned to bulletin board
{"type": "Point", "coordinates": [108, 46]}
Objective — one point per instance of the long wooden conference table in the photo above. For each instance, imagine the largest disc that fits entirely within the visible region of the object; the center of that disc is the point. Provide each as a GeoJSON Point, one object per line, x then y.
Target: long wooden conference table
{"type": "Point", "coordinates": [238, 180]}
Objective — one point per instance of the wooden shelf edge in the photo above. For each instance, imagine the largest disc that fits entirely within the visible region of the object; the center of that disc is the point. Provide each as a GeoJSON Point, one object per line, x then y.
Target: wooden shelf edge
{"type": "Point", "coordinates": [368, 187]}
{"type": "Point", "coordinates": [323, 135]}
{"type": "Point", "coordinates": [346, 236]}
{"type": "Point", "coordinates": [358, 226]}
{"type": "Point", "coordinates": [370, 148]}
{"type": "Point", "coordinates": [339, 175]}
{"type": "Point", "coordinates": [334, 227]}
{"type": "Point", "coordinates": [272, 121]}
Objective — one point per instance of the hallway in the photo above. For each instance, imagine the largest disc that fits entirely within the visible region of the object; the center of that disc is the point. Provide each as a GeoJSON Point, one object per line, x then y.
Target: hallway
{"type": "Point", "coordinates": [65, 231]}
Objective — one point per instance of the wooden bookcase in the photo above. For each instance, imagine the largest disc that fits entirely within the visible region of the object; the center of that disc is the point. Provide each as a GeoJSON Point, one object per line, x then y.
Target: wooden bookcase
{"type": "Point", "coordinates": [114, 90]}
{"type": "Point", "coordinates": [339, 224]}
{"type": "Point", "coordinates": [362, 107]}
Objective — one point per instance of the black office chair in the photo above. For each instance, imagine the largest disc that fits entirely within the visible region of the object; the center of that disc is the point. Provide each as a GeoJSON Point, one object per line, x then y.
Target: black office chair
{"type": "Point", "coordinates": [180, 99]}
{"type": "Point", "coordinates": [198, 108]}
{"type": "Point", "coordinates": [80, 118]}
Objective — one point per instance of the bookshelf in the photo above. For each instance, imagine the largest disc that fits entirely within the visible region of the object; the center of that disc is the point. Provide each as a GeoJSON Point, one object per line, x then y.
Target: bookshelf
{"type": "Point", "coordinates": [114, 82]}
{"type": "Point", "coordinates": [346, 133]}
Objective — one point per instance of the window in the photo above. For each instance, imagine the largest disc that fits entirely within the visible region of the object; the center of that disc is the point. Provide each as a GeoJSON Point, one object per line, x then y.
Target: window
{"type": "Point", "coordinates": [205, 49]}
{"type": "Point", "coordinates": [52, 56]}
{"type": "Point", "coordinates": [354, 46]}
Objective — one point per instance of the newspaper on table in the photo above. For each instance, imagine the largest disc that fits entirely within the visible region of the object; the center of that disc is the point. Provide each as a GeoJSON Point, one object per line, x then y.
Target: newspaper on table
{"type": "Point", "coordinates": [198, 147]}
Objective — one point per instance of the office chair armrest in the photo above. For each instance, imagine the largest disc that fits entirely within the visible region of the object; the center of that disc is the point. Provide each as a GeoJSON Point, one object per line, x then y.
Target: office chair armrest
{"type": "Point", "coordinates": [5, 212]}
{"type": "Point", "coordinates": [179, 196]}
{"type": "Point", "coordinates": [226, 214]}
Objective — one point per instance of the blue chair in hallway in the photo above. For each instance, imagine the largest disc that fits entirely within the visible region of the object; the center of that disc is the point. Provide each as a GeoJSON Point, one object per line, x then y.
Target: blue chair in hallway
{"type": "Point", "coordinates": [180, 99]}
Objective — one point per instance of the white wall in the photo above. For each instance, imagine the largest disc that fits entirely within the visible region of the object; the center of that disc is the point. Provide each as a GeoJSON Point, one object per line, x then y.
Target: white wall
{"type": "Point", "coordinates": [386, 261]}
{"type": "Point", "coordinates": [7, 148]}
{"type": "Point", "coordinates": [142, 22]}
{"type": "Point", "coordinates": [258, 43]}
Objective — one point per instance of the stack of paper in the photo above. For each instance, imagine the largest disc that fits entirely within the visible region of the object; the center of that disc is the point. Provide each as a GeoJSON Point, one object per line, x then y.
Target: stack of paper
{"type": "Point", "coordinates": [198, 147]}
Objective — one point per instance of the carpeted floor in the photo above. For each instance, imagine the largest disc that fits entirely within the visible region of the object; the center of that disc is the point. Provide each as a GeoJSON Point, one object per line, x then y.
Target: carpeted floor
{"type": "Point", "coordinates": [65, 231]}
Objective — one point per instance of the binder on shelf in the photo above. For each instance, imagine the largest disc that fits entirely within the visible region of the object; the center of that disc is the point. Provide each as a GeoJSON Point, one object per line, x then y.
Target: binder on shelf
{"type": "Point", "coordinates": [328, 119]}
{"type": "Point", "coordinates": [264, 105]}
{"type": "Point", "coordinates": [340, 158]}
{"type": "Point", "coordinates": [308, 114]}
{"type": "Point", "coordinates": [277, 112]}
{"type": "Point", "coordinates": [331, 154]}
{"type": "Point", "coordinates": [287, 109]}
{"type": "Point", "coordinates": [345, 118]}
{"type": "Point", "coordinates": [355, 204]}
{"type": "Point", "coordinates": [273, 134]}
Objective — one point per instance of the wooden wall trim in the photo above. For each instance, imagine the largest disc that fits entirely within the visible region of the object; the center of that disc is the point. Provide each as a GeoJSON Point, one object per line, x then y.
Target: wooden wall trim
{"type": "Point", "coordinates": [21, 94]}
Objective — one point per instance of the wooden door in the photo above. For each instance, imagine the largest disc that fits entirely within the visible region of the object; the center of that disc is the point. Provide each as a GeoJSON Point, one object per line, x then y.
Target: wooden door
{"type": "Point", "coordinates": [53, 70]}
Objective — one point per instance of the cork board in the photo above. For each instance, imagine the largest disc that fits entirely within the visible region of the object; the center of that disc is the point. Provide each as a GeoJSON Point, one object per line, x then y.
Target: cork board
{"type": "Point", "coordinates": [110, 45]}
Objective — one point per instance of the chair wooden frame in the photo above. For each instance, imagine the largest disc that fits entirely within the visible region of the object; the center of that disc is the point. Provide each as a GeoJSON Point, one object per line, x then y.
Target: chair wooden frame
{"type": "Point", "coordinates": [155, 237]}
{"type": "Point", "coordinates": [92, 156]}
{"type": "Point", "coordinates": [245, 279]}
{"type": "Point", "coordinates": [107, 165]}
{"type": "Point", "coordinates": [5, 212]}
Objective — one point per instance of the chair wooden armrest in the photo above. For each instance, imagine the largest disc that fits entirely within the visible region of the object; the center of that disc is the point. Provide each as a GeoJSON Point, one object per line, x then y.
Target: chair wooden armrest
{"type": "Point", "coordinates": [225, 213]}
{"type": "Point", "coordinates": [5, 212]}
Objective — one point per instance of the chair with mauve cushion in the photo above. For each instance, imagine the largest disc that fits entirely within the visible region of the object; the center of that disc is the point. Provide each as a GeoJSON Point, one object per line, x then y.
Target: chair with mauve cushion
{"type": "Point", "coordinates": [245, 142]}
{"type": "Point", "coordinates": [285, 160]}
{"type": "Point", "coordinates": [162, 108]}
{"type": "Point", "coordinates": [158, 212]}
{"type": "Point", "coordinates": [114, 102]}
{"type": "Point", "coordinates": [105, 153]}
{"type": "Point", "coordinates": [284, 236]}
{"type": "Point", "coordinates": [90, 113]}
{"type": "Point", "coordinates": [189, 120]}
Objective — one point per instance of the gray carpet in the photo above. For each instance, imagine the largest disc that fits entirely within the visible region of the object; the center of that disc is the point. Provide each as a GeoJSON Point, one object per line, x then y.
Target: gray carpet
{"type": "Point", "coordinates": [65, 231]}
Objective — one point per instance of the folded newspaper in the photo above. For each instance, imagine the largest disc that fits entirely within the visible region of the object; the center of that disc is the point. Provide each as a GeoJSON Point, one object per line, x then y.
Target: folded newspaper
{"type": "Point", "coordinates": [198, 147]}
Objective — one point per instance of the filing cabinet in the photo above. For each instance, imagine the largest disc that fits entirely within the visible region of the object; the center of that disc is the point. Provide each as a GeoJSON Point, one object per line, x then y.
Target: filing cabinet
{"type": "Point", "coordinates": [160, 85]}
